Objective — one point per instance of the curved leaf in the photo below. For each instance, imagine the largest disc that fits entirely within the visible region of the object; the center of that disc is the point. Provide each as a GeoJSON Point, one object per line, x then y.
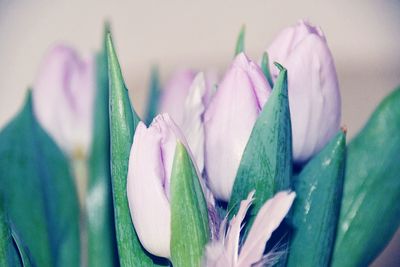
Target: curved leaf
{"type": "Point", "coordinates": [102, 244]}
{"type": "Point", "coordinates": [370, 213]}
{"type": "Point", "coordinates": [39, 191]}
{"type": "Point", "coordinates": [316, 208]}
{"type": "Point", "coordinates": [123, 122]}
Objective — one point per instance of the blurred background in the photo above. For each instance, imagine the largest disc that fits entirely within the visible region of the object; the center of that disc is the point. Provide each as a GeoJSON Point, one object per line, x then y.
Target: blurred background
{"type": "Point", "coordinates": [363, 36]}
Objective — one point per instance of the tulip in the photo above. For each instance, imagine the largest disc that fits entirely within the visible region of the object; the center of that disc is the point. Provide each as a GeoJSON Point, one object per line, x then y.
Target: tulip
{"type": "Point", "coordinates": [174, 94]}
{"type": "Point", "coordinates": [184, 99]}
{"type": "Point", "coordinates": [148, 185]}
{"type": "Point", "coordinates": [229, 120]}
{"type": "Point", "coordinates": [63, 96]}
{"type": "Point", "coordinates": [192, 122]}
{"type": "Point", "coordinates": [313, 89]}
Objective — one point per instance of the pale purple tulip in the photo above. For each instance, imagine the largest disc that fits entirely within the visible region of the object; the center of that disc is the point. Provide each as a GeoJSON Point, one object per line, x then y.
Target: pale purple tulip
{"type": "Point", "coordinates": [148, 185]}
{"type": "Point", "coordinates": [63, 96]}
{"type": "Point", "coordinates": [229, 120]}
{"type": "Point", "coordinates": [174, 94]}
{"type": "Point", "coordinates": [314, 96]}
{"type": "Point", "coordinates": [192, 122]}
{"type": "Point", "coordinates": [184, 99]}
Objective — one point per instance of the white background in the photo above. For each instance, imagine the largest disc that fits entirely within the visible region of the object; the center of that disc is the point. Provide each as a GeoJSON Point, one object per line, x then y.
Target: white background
{"type": "Point", "coordinates": [363, 35]}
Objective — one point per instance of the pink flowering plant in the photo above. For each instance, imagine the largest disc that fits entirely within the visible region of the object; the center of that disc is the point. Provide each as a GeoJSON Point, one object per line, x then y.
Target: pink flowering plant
{"type": "Point", "coordinates": [247, 168]}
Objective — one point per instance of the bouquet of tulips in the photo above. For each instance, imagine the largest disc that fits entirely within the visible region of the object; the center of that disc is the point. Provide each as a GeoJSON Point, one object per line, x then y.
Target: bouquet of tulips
{"type": "Point", "coordinates": [250, 168]}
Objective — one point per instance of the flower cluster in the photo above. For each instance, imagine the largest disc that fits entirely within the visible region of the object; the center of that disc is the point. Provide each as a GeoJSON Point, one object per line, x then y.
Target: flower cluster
{"type": "Point", "coordinates": [228, 160]}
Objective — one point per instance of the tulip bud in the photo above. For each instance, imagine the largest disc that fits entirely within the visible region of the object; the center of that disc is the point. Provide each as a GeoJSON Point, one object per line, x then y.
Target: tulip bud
{"type": "Point", "coordinates": [184, 99]}
{"type": "Point", "coordinates": [313, 89]}
{"type": "Point", "coordinates": [149, 178]}
{"type": "Point", "coordinates": [229, 120]}
{"type": "Point", "coordinates": [192, 123]}
{"type": "Point", "coordinates": [63, 96]}
{"type": "Point", "coordinates": [174, 94]}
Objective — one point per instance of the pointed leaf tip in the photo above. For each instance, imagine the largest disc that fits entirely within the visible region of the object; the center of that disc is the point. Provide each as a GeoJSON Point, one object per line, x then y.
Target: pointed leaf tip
{"type": "Point", "coordinates": [265, 68]}
{"type": "Point", "coordinates": [279, 66]}
{"type": "Point", "coordinates": [240, 41]}
{"type": "Point", "coordinates": [189, 221]}
{"type": "Point", "coordinates": [123, 122]}
{"type": "Point", "coordinates": [154, 95]}
{"type": "Point", "coordinates": [107, 27]}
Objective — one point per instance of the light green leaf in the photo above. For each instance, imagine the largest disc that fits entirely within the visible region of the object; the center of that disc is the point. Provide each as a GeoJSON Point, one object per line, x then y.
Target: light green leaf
{"type": "Point", "coordinates": [265, 68]}
{"type": "Point", "coordinates": [123, 122]}
{"type": "Point", "coordinates": [102, 246]}
{"type": "Point", "coordinates": [240, 41]}
{"type": "Point", "coordinates": [39, 191]}
{"type": "Point", "coordinates": [189, 220]}
{"type": "Point", "coordinates": [316, 208]}
{"type": "Point", "coordinates": [370, 213]}
{"type": "Point", "coordinates": [154, 96]}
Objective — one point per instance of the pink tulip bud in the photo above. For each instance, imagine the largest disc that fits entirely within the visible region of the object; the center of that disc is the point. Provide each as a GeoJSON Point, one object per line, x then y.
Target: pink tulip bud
{"type": "Point", "coordinates": [314, 96]}
{"type": "Point", "coordinates": [148, 186]}
{"type": "Point", "coordinates": [63, 96]}
{"type": "Point", "coordinates": [229, 120]}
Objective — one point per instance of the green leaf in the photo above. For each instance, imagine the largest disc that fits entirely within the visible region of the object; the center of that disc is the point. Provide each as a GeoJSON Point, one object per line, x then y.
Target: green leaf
{"type": "Point", "coordinates": [102, 246]}
{"type": "Point", "coordinates": [267, 159]}
{"type": "Point", "coordinates": [39, 191]}
{"type": "Point", "coordinates": [154, 96]}
{"type": "Point", "coordinates": [189, 219]}
{"type": "Point", "coordinates": [370, 213]}
{"type": "Point", "coordinates": [240, 41]}
{"type": "Point", "coordinates": [316, 208]}
{"type": "Point", "coordinates": [265, 68]}
{"type": "Point", "coordinates": [123, 122]}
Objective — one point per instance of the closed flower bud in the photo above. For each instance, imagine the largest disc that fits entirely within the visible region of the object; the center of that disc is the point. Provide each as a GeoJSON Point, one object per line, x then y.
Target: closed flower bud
{"type": "Point", "coordinates": [63, 96]}
{"type": "Point", "coordinates": [229, 120]}
{"type": "Point", "coordinates": [148, 185]}
{"type": "Point", "coordinates": [314, 96]}
{"type": "Point", "coordinates": [174, 94]}
{"type": "Point", "coordinates": [184, 99]}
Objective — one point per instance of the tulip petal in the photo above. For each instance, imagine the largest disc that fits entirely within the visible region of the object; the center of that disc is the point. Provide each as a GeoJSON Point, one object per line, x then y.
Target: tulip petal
{"type": "Point", "coordinates": [150, 169]}
{"type": "Point", "coordinates": [315, 101]}
{"type": "Point", "coordinates": [63, 98]}
{"type": "Point", "coordinates": [283, 44]}
{"type": "Point", "coordinates": [192, 125]}
{"type": "Point", "coordinates": [226, 251]}
{"type": "Point", "coordinates": [229, 120]}
{"type": "Point", "coordinates": [174, 94]}
{"type": "Point", "coordinates": [268, 218]}
{"type": "Point", "coordinates": [148, 201]}
{"type": "Point", "coordinates": [314, 95]}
